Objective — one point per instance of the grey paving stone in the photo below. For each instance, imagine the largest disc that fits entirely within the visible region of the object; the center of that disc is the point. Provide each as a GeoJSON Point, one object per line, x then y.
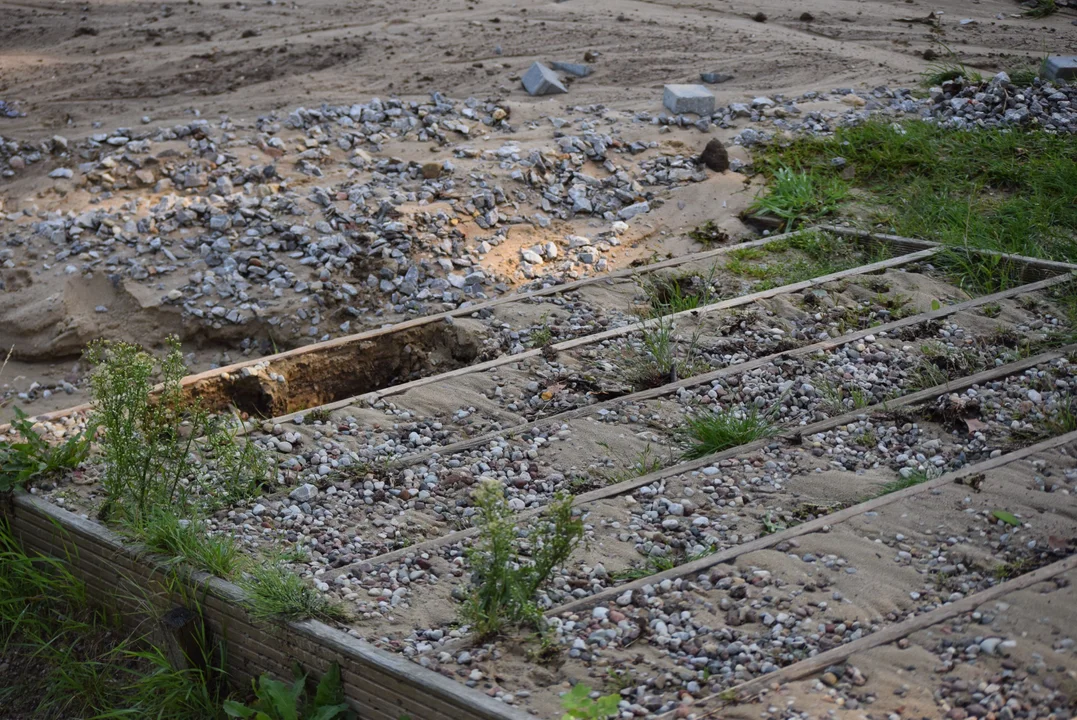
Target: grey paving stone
{"type": "Point", "coordinates": [688, 99]}
{"type": "Point", "coordinates": [541, 80]}
{"type": "Point", "coordinates": [1060, 67]}
{"type": "Point", "coordinates": [577, 69]}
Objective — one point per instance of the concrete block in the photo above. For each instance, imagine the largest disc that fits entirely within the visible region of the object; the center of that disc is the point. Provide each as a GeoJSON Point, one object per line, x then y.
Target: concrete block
{"type": "Point", "coordinates": [688, 99]}
{"type": "Point", "coordinates": [1060, 67]}
{"type": "Point", "coordinates": [577, 69]}
{"type": "Point", "coordinates": [541, 80]}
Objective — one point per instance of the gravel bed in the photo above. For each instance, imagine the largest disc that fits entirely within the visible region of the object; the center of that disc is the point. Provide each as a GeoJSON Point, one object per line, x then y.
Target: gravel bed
{"type": "Point", "coordinates": [982, 664]}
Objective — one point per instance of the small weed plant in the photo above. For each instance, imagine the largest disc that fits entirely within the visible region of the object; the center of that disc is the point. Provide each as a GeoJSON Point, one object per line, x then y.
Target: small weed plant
{"type": "Point", "coordinates": [771, 525]}
{"type": "Point", "coordinates": [578, 704]}
{"type": "Point", "coordinates": [147, 449]}
{"type": "Point", "coordinates": [713, 431]}
{"type": "Point", "coordinates": [240, 468]}
{"type": "Point", "coordinates": [32, 456]}
{"type": "Point", "coordinates": [318, 415]}
{"type": "Point", "coordinates": [505, 579]}
{"type": "Point", "coordinates": [646, 462]}
{"type": "Point", "coordinates": [541, 336]}
{"type": "Point", "coordinates": [275, 700]}
{"type": "Point", "coordinates": [659, 361]}
{"type": "Point", "coordinates": [162, 450]}
{"type": "Point", "coordinates": [709, 234]}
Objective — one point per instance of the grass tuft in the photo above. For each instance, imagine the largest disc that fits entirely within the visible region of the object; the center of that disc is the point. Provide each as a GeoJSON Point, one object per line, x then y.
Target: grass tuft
{"type": "Point", "coordinates": [915, 478]}
{"type": "Point", "coordinates": [187, 541]}
{"type": "Point", "coordinates": [800, 196]}
{"type": "Point", "coordinates": [667, 294]}
{"type": "Point", "coordinates": [714, 431]}
{"type": "Point", "coordinates": [646, 462]}
{"type": "Point", "coordinates": [979, 273]}
{"type": "Point", "coordinates": [276, 592]}
{"type": "Point", "coordinates": [63, 659]}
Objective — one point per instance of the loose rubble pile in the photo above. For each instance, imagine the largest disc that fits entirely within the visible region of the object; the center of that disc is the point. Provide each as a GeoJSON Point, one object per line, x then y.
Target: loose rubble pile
{"type": "Point", "coordinates": [999, 103]}
{"type": "Point", "coordinates": [326, 231]}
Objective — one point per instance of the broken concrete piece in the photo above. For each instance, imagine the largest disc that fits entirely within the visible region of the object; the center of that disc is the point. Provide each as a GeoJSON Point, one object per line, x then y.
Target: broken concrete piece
{"type": "Point", "coordinates": [1060, 67]}
{"type": "Point", "coordinates": [688, 99]}
{"type": "Point", "coordinates": [541, 80]}
{"type": "Point", "coordinates": [577, 69]}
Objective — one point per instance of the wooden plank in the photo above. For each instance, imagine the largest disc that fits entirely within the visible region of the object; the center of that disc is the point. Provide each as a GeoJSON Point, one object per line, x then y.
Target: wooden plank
{"type": "Point", "coordinates": [628, 485]}
{"type": "Point", "coordinates": [747, 690]}
{"type": "Point", "coordinates": [463, 311]}
{"type": "Point", "coordinates": [567, 345]}
{"type": "Point", "coordinates": [769, 541]}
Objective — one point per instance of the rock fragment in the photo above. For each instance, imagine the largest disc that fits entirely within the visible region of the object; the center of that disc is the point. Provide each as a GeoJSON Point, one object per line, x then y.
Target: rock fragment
{"type": "Point", "coordinates": [714, 156]}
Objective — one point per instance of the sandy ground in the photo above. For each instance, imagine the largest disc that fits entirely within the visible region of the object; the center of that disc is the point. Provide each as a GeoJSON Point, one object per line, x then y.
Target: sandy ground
{"type": "Point", "coordinates": [79, 68]}
{"type": "Point", "coordinates": [114, 62]}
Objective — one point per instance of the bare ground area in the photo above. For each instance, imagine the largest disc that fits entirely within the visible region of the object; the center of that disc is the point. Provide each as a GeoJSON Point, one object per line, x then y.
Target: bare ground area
{"type": "Point", "coordinates": [114, 62]}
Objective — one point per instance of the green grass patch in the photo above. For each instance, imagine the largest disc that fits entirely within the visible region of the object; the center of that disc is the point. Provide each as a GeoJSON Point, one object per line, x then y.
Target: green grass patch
{"type": "Point", "coordinates": [979, 273]}
{"type": "Point", "coordinates": [714, 431]}
{"type": "Point", "coordinates": [1010, 191]}
{"type": "Point", "coordinates": [795, 259]}
{"type": "Point", "coordinates": [800, 196]}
